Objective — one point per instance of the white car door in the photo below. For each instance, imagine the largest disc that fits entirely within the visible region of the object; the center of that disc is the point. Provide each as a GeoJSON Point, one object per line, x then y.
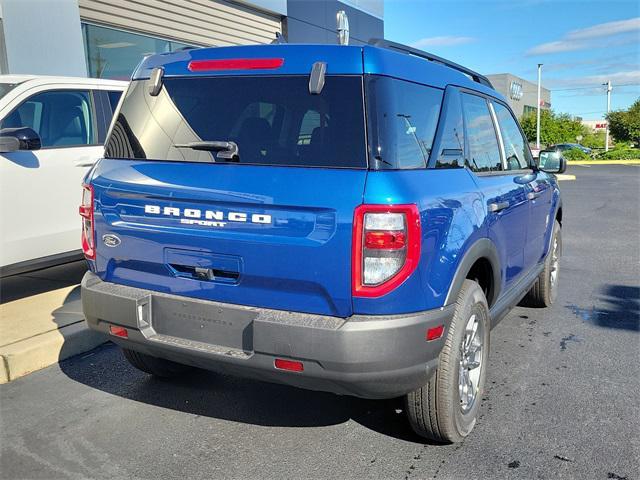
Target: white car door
{"type": "Point", "coordinates": [40, 189]}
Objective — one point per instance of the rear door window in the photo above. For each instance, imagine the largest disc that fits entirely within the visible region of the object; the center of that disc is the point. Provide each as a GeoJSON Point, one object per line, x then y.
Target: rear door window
{"type": "Point", "coordinates": [114, 98]}
{"type": "Point", "coordinates": [272, 120]}
{"type": "Point", "coordinates": [484, 152]}
{"type": "Point", "coordinates": [402, 122]}
{"type": "Point", "coordinates": [516, 149]}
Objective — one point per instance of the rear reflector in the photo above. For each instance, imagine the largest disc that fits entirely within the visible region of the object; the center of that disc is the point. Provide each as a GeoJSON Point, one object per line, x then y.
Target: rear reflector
{"type": "Point", "coordinates": [118, 331]}
{"type": "Point", "coordinates": [435, 333]}
{"type": "Point", "coordinates": [290, 365]}
{"type": "Point", "coordinates": [235, 64]}
{"type": "Point", "coordinates": [384, 240]}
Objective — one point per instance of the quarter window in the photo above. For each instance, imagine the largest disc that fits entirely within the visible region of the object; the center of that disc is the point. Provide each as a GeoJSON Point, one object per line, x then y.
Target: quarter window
{"type": "Point", "coordinates": [484, 152]}
{"type": "Point", "coordinates": [402, 122]}
{"type": "Point", "coordinates": [516, 150]}
{"type": "Point", "coordinates": [62, 118]}
{"type": "Point", "coordinates": [450, 149]}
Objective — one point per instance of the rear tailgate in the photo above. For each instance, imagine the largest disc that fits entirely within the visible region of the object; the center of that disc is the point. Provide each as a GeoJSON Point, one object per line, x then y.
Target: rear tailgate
{"type": "Point", "coordinates": [266, 222]}
{"type": "Point", "coordinates": [294, 255]}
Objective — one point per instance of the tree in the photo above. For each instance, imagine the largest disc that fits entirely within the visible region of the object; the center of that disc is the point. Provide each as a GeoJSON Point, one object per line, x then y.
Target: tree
{"type": "Point", "coordinates": [624, 125]}
{"type": "Point", "coordinates": [593, 140]}
{"type": "Point", "coordinates": [554, 127]}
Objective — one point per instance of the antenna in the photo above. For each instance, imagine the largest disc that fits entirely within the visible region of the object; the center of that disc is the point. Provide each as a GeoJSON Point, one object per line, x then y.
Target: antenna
{"type": "Point", "coordinates": [342, 24]}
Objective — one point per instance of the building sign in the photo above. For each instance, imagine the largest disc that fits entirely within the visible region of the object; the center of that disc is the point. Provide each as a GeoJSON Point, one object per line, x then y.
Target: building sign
{"type": "Point", "coordinates": [601, 126]}
{"type": "Point", "coordinates": [515, 91]}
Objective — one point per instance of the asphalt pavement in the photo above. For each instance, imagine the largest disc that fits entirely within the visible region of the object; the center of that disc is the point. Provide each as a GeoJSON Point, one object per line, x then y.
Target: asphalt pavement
{"type": "Point", "coordinates": [563, 398]}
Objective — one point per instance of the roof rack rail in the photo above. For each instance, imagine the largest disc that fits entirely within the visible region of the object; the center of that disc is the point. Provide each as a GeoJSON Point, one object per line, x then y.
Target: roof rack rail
{"type": "Point", "coordinates": [475, 76]}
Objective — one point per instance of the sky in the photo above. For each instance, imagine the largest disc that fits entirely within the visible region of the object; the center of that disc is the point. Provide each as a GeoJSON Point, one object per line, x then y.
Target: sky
{"type": "Point", "coordinates": [581, 44]}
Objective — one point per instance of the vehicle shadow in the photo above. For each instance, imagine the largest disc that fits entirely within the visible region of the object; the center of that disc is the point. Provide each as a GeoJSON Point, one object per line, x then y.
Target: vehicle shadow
{"type": "Point", "coordinates": [200, 392]}
{"type": "Point", "coordinates": [621, 308]}
{"type": "Point", "coordinates": [235, 399]}
{"type": "Point", "coordinates": [41, 281]}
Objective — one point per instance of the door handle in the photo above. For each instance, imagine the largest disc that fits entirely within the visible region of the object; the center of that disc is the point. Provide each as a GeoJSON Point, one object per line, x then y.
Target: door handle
{"type": "Point", "coordinates": [498, 206]}
{"type": "Point", "coordinates": [533, 195]}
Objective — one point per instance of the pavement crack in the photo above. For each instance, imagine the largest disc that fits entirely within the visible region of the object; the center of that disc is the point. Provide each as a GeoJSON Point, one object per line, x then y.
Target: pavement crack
{"type": "Point", "coordinates": [562, 458]}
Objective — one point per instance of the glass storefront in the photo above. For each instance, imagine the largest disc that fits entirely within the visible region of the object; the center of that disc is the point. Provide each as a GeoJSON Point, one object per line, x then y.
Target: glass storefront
{"type": "Point", "coordinates": [112, 53]}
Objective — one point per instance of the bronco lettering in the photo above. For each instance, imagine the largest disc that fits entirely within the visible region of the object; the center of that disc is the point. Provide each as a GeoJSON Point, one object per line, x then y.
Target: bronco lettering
{"type": "Point", "coordinates": [197, 214]}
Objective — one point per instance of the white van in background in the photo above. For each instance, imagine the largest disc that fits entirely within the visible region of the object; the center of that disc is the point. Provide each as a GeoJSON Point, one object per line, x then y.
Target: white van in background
{"type": "Point", "coordinates": [52, 130]}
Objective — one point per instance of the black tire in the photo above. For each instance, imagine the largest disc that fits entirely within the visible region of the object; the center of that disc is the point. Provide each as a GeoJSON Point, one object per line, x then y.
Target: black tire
{"type": "Point", "coordinates": [544, 291]}
{"type": "Point", "coordinates": [158, 367]}
{"type": "Point", "coordinates": [436, 410]}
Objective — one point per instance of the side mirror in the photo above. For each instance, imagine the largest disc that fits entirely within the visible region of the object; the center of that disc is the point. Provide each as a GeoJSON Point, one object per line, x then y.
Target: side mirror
{"type": "Point", "coordinates": [551, 161]}
{"type": "Point", "coordinates": [21, 138]}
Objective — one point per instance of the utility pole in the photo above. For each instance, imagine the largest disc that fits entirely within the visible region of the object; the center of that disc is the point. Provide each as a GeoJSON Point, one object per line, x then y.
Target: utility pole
{"type": "Point", "coordinates": [606, 135]}
{"type": "Point", "coordinates": [538, 111]}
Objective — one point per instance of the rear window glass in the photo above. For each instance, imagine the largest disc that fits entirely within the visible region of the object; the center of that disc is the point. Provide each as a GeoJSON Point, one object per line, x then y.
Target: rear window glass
{"type": "Point", "coordinates": [402, 122]}
{"type": "Point", "coordinates": [271, 120]}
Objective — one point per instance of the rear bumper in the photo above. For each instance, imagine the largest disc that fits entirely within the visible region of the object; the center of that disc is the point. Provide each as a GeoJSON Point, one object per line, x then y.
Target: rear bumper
{"type": "Point", "coordinates": [364, 356]}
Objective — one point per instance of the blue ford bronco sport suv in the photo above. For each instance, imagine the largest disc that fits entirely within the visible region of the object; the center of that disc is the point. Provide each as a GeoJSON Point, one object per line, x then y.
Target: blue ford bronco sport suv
{"type": "Point", "coordinates": [352, 219]}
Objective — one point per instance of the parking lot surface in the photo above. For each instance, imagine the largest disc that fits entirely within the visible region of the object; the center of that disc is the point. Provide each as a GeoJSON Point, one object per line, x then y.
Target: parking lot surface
{"type": "Point", "coordinates": [562, 400]}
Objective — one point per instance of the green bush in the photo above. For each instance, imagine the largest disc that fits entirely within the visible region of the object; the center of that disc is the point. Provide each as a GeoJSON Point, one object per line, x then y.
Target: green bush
{"type": "Point", "coordinates": [576, 154]}
{"type": "Point", "coordinates": [594, 140]}
{"type": "Point", "coordinates": [620, 154]}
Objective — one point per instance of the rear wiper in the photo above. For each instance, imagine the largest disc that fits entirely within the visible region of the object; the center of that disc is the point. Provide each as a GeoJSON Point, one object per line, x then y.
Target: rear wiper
{"type": "Point", "coordinates": [226, 150]}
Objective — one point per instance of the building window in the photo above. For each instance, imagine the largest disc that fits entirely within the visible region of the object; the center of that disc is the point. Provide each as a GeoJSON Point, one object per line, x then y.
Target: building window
{"type": "Point", "coordinates": [114, 54]}
{"type": "Point", "coordinates": [528, 109]}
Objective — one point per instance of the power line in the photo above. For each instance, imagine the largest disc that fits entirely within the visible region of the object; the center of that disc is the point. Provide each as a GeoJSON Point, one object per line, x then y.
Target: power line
{"type": "Point", "coordinates": [592, 87]}
{"type": "Point", "coordinates": [583, 88]}
{"type": "Point", "coordinates": [589, 113]}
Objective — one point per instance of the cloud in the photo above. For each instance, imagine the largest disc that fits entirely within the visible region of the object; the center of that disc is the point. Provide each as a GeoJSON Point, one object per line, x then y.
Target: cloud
{"type": "Point", "coordinates": [443, 41]}
{"type": "Point", "coordinates": [627, 31]}
{"type": "Point", "coordinates": [617, 78]}
{"type": "Point", "coordinates": [605, 29]}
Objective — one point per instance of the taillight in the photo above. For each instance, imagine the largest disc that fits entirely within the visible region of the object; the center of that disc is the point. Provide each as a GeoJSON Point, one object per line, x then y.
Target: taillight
{"type": "Point", "coordinates": [386, 247]}
{"type": "Point", "coordinates": [235, 64]}
{"type": "Point", "coordinates": [88, 232]}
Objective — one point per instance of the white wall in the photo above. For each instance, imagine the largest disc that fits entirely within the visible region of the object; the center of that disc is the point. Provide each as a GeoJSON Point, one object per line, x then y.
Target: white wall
{"type": "Point", "coordinates": [43, 37]}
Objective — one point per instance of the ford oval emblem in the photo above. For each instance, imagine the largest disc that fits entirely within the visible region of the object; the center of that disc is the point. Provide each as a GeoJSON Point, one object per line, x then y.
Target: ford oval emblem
{"type": "Point", "coordinates": [111, 240]}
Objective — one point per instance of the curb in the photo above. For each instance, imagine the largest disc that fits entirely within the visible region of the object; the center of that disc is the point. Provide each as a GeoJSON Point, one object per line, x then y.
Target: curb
{"type": "Point", "coordinates": [605, 162]}
{"type": "Point", "coordinates": [26, 356]}
{"type": "Point", "coordinates": [564, 176]}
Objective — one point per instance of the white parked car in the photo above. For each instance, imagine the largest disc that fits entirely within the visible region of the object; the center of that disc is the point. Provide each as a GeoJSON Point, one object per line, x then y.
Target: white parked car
{"type": "Point", "coordinates": [52, 131]}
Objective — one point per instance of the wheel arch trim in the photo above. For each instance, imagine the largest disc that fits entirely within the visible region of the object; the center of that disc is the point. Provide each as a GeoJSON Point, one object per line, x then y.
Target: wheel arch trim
{"type": "Point", "coordinates": [483, 248]}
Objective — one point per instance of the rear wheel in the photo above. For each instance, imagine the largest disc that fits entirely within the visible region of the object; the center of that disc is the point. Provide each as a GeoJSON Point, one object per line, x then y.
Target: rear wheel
{"type": "Point", "coordinates": [158, 367]}
{"type": "Point", "coordinates": [545, 290]}
{"type": "Point", "coordinates": [446, 408]}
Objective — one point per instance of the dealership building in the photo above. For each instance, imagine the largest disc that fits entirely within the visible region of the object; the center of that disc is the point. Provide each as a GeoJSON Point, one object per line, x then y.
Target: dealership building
{"type": "Point", "coordinates": [521, 94]}
{"type": "Point", "coordinates": [107, 38]}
